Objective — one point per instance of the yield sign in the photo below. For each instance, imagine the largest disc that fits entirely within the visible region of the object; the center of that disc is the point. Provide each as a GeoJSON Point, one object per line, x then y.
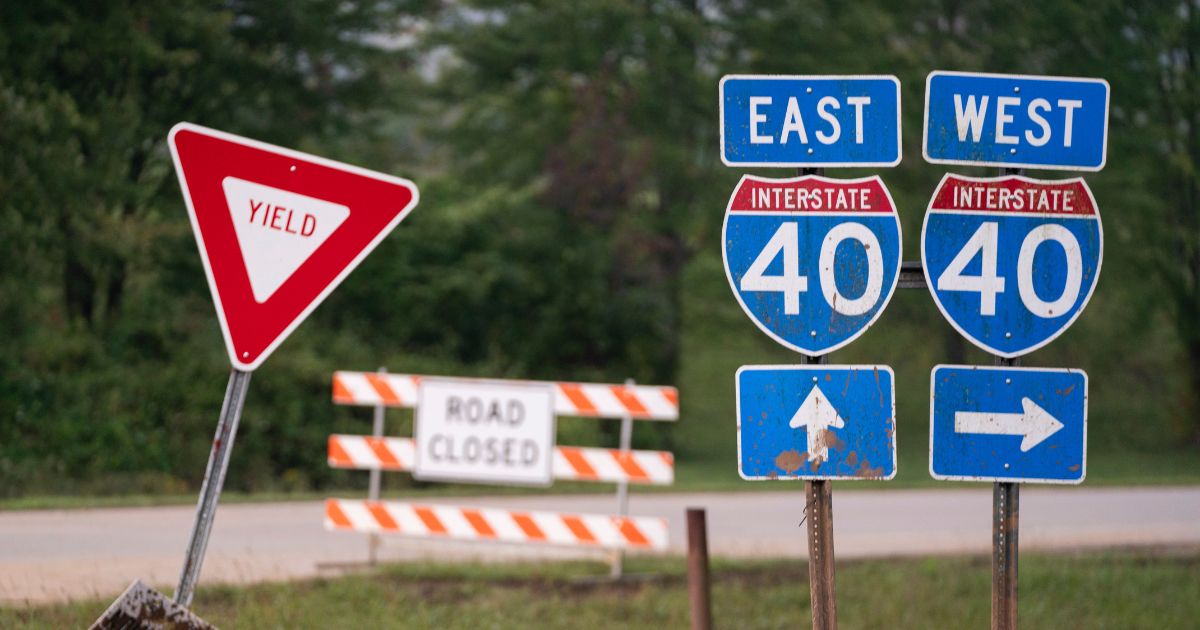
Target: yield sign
{"type": "Point", "coordinates": [278, 230]}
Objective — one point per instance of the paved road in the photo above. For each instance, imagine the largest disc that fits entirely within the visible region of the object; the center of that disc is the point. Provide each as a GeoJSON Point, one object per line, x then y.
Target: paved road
{"type": "Point", "coordinates": [52, 555]}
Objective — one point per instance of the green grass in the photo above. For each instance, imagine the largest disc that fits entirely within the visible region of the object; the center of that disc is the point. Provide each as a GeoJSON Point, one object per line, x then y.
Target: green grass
{"type": "Point", "coordinates": [1107, 590]}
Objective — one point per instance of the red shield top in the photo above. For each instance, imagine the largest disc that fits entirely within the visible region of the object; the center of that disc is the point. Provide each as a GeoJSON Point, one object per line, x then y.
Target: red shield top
{"type": "Point", "coordinates": [1014, 194]}
{"type": "Point", "coordinates": [277, 229]}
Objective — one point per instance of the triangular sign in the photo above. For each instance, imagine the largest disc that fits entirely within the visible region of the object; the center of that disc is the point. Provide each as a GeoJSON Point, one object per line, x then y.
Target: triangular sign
{"type": "Point", "coordinates": [278, 230]}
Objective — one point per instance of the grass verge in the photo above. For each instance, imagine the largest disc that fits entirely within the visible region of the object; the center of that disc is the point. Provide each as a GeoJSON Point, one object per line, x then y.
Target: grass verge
{"type": "Point", "coordinates": [1117, 589]}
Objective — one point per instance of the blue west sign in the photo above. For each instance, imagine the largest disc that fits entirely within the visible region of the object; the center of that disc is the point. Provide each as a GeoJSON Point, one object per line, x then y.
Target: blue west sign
{"type": "Point", "coordinates": [816, 422]}
{"type": "Point", "coordinates": [814, 121]}
{"type": "Point", "coordinates": [813, 261]}
{"type": "Point", "coordinates": [1008, 424]}
{"type": "Point", "coordinates": [1011, 261]}
{"type": "Point", "coordinates": [1016, 121]}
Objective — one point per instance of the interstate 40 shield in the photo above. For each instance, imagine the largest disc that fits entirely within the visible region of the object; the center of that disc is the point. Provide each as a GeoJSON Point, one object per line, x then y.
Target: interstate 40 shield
{"type": "Point", "coordinates": [1011, 261]}
{"type": "Point", "coordinates": [813, 261]}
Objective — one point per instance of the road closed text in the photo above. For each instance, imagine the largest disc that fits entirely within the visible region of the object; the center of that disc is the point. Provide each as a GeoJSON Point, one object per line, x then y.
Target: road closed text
{"type": "Point", "coordinates": [484, 432]}
{"type": "Point", "coordinates": [477, 411]}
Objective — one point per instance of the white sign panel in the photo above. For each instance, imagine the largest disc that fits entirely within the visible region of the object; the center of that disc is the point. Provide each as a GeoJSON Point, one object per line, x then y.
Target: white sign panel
{"type": "Point", "coordinates": [484, 432]}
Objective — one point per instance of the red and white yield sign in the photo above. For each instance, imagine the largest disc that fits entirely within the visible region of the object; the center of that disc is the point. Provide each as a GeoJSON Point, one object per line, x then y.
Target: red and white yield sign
{"type": "Point", "coordinates": [278, 230]}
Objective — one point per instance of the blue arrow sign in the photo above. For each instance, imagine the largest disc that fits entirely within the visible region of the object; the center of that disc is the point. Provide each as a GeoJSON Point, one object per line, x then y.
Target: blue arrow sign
{"type": "Point", "coordinates": [813, 261]}
{"type": "Point", "coordinates": [779, 120]}
{"type": "Point", "coordinates": [1011, 261]}
{"type": "Point", "coordinates": [816, 422]}
{"type": "Point", "coordinates": [1008, 424]}
{"type": "Point", "coordinates": [1016, 121]}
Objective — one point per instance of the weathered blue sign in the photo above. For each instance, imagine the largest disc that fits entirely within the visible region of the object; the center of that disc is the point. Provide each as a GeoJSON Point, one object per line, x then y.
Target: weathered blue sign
{"type": "Point", "coordinates": [1016, 121]}
{"type": "Point", "coordinates": [813, 261]}
{"type": "Point", "coordinates": [1011, 261]}
{"type": "Point", "coordinates": [1008, 424]}
{"type": "Point", "coordinates": [814, 121]}
{"type": "Point", "coordinates": [816, 422]}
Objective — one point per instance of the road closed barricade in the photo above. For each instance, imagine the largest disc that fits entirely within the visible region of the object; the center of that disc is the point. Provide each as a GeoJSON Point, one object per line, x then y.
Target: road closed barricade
{"type": "Point", "coordinates": [586, 400]}
{"type": "Point", "coordinates": [571, 463]}
{"type": "Point", "coordinates": [491, 524]}
{"type": "Point", "coordinates": [500, 432]}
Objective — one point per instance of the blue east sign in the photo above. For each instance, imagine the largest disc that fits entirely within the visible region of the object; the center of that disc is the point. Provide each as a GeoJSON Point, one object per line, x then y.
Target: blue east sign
{"type": "Point", "coordinates": [1008, 424]}
{"type": "Point", "coordinates": [812, 261]}
{"type": "Point", "coordinates": [1016, 121]}
{"type": "Point", "coordinates": [816, 422]}
{"type": "Point", "coordinates": [813, 121]}
{"type": "Point", "coordinates": [1011, 261]}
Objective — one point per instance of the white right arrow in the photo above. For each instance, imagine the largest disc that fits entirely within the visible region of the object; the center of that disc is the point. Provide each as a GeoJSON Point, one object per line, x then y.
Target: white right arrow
{"type": "Point", "coordinates": [1034, 423]}
{"type": "Point", "coordinates": [818, 415]}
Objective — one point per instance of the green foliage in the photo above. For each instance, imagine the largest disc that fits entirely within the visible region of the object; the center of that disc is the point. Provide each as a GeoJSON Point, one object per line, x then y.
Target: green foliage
{"type": "Point", "coordinates": [571, 203]}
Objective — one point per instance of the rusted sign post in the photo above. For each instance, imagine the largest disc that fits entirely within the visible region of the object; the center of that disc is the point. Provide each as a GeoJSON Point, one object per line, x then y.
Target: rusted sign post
{"type": "Point", "coordinates": [699, 586]}
{"type": "Point", "coordinates": [822, 574]}
{"type": "Point", "coordinates": [1006, 511]}
{"type": "Point", "coordinates": [1007, 424]}
{"type": "Point", "coordinates": [1005, 522]}
{"type": "Point", "coordinates": [813, 262]}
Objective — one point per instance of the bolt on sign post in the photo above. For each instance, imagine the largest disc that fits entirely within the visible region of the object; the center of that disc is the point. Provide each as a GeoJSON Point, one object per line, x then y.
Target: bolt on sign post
{"type": "Point", "coordinates": [813, 261]}
{"type": "Point", "coordinates": [1039, 246]}
{"type": "Point", "coordinates": [277, 230]}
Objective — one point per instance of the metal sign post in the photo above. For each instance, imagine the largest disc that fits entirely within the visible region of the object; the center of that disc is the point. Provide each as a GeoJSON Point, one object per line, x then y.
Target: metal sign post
{"type": "Point", "coordinates": [699, 586]}
{"type": "Point", "coordinates": [822, 589]}
{"type": "Point", "coordinates": [618, 557]}
{"type": "Point", "coordinates": [1011, 305]}
{"type": "Point", "coordinates": [267, 274]}
{"type": "Point", "coordinates": [821, 573]}
{"type": "Point", "coordinates": [214, 480]}
{"type": "Point", "coordinates": [840, 253]}
{"type": "Point", "coordinates": [1006, 509]}
{"type": "Point", "coordinates": [373, 541]}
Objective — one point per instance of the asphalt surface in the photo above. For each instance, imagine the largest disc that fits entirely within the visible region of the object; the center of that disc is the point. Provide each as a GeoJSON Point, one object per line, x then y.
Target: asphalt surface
{"type": "Point", "coordinates": [54, 555]}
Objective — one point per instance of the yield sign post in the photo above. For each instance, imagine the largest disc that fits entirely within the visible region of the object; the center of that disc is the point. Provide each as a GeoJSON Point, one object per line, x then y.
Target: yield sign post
{"type": "Point", "coordinates": [277, 230]}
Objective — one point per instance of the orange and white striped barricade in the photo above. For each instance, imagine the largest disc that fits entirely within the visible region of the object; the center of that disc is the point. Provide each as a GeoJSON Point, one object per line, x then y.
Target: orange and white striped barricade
{"type": "Point", "coordinates": [621, 466]}
{"type": "Point", "coordinates": [494, 524]}
{"type": "Point", "coordinates": [571, 463]}
{"type": "Point", "coordinates": [586, 400]}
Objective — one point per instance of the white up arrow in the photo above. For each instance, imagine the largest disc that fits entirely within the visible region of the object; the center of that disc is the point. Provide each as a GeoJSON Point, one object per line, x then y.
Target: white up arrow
{"type": "Point", "coordinates": [818, 414]}
{"type": "Point", "coordinates": [1034, 423]}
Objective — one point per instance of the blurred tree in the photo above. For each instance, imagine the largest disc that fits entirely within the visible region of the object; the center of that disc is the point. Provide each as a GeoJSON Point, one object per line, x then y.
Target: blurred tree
{"type": "Point", "coordinates": [101, 290]}
{"type": "Point", "coordinates": [583, 116]}
{"type": "Point", "coordinates": [568, 161]}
